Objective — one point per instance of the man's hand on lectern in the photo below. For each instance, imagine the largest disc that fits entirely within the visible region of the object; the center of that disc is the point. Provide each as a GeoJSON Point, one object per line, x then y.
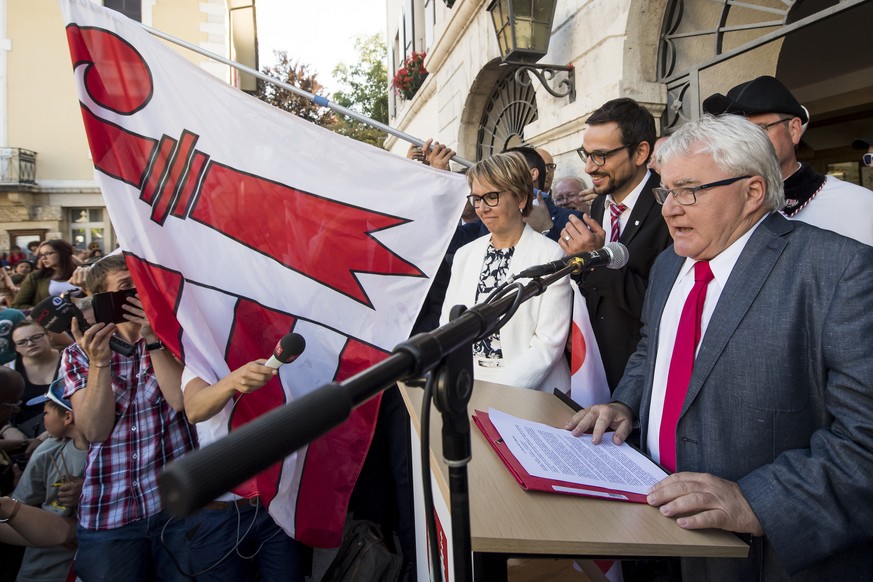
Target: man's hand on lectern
{"type": "Point", "coordinates": [600, 418]}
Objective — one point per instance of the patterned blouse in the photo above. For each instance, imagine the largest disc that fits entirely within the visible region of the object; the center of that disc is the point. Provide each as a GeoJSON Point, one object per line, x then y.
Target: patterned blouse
{"type": "Point", "coordinates": [494, 269]}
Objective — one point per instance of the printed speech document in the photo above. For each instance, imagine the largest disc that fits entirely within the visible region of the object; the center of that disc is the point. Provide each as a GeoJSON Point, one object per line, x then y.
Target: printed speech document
{"type": "Point", "coordinates": [554, 453]}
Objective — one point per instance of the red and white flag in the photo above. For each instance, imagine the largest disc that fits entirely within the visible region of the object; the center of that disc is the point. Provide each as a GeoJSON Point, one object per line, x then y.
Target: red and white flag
{"type": "Point", "coordinates": [587, 379]}
{"type": "Point", "coordinates": [240, 223]}
{"type": "Point", "coordinates": [588, 387]}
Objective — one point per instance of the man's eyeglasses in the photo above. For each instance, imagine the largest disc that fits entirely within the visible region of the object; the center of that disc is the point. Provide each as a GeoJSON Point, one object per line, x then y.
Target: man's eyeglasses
{"type": "Point", "coordinates": [599, 158]}
{"type": "Point", "coordinates": [688, 196]}
{"type": "Point", "coordinates": [867, 159]}
{"type": "Point", "coordinates": [32, 339]}
{"type": "Point", "coordinates": [767, 126]}
{"type": "Point", "coordinates": [551, 167]}
{"type": "Point", "coordinates": [489, 198]}
{"type": "Point", "coordinates": [11, 404]}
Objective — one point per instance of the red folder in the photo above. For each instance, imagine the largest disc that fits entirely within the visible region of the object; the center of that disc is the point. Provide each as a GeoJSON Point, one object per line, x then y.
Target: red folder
{"type": "Point", "coordinates": [529, 482]}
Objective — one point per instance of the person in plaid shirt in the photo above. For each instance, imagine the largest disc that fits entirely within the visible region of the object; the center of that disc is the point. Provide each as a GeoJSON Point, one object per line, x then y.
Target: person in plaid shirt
{"type": "Point", "coordinates": [131, 411]}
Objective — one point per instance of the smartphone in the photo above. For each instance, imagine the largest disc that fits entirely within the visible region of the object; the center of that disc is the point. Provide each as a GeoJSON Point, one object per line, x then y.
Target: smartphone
{"type": "Point", "coordinates": [108, 307]}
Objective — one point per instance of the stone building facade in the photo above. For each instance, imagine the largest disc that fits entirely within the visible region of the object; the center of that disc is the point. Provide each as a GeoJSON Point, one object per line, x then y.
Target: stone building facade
{"type": "Point", "coordinates": [667, 54]}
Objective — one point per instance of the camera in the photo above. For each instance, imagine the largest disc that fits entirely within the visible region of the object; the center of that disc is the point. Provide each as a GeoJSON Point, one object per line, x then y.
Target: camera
{"type": "Point", "coordinates": [56, 314]}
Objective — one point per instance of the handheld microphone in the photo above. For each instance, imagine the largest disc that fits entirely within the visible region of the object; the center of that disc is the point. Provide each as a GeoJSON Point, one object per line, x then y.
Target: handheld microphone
{"type": "Point", "coordinates": [612, 256]}
{"type": "Point", "coordinates": [56, 314]}
{"type": "Point", "coordinates": [287, 350]}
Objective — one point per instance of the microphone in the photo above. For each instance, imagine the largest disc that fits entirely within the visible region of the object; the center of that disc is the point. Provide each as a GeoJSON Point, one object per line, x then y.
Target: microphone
{"type": "Point", "coordinates": [612, 256]}
{"type": "Point", "coordinates": [287, 350]}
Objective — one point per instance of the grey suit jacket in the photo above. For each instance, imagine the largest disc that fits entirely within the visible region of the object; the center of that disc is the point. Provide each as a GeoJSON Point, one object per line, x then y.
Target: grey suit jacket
{"type": "Point", "coordinates": [780, 400]}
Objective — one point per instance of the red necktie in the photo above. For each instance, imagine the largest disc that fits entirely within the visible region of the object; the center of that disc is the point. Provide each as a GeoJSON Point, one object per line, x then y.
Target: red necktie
{"type": "Point", "coordinates": [615, 211]}
{"type": "Point", "coordinates": [682, 363]}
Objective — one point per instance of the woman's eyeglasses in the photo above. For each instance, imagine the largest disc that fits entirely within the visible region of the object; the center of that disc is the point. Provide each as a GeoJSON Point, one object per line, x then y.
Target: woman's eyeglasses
{"type": "Point", "coordinates": [489, 198]}
{"type": "Point", "coordinates": [28, 340]}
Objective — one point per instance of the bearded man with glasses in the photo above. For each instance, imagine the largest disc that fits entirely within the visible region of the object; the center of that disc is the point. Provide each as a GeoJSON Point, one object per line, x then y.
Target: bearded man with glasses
{"type": "Point", "coordinates": [823, 201]}
{"type": "Point", "coordinates": [616, 148]}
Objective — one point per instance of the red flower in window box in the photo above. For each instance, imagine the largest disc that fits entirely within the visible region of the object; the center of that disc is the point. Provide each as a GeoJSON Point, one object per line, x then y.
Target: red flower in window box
{"type": "Point", "coordinates": [410, 76]}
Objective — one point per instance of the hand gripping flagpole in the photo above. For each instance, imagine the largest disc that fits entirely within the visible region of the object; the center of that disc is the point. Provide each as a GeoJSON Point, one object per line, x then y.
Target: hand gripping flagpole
{"type": "Point", "coordinates": [317, 99]}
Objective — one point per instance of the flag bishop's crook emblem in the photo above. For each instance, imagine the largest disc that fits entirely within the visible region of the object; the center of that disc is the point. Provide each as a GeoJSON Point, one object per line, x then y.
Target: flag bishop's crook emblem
{"type": "Point", "coordinates": [180, 182]}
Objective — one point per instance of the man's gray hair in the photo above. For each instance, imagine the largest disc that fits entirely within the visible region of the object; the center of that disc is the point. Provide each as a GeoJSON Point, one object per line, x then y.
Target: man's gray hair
{"type": "Point", "coordinates": [580, 183]}
{"type": "Point", "coordinates": [737, 146]}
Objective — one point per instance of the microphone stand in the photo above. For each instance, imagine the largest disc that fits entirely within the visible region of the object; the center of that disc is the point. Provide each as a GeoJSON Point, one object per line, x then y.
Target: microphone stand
{"type": "Point", "coordinates": [189, 483]}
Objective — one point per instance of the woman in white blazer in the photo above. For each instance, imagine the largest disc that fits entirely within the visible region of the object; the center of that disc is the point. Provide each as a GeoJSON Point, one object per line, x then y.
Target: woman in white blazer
{"type": "Point", "coordinates": [529, 350]}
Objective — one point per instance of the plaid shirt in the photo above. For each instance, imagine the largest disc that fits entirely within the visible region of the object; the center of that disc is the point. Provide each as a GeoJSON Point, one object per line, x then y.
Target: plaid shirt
{"type": "Point", "coordinates": [121, 474]}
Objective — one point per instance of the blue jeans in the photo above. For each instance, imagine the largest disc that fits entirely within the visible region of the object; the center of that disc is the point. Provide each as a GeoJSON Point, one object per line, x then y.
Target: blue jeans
{"type": "Point", "coordinates": [134, 552]}
{"type": "Point", "coordinates": [224, 543]}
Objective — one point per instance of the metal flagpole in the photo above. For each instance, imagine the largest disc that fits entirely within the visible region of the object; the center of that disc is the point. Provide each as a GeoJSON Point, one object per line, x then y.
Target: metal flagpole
{"type": "Point", "coordinates": [318, 100]}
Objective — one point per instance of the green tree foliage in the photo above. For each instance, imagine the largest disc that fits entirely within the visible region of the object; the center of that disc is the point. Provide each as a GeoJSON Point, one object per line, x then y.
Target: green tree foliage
{"type": "Point", "coordinates": [364, 88]}
{"type": "Point", "coordinates": [297, 75]}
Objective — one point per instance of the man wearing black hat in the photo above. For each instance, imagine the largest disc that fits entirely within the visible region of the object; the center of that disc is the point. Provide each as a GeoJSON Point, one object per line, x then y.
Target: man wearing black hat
{"type": "Point", "coordinates": [866, 144]}
{"type": "Point", "coordinates": [823, 201]}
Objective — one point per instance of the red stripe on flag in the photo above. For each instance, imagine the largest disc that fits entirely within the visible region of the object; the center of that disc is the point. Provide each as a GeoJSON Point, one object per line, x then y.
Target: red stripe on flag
{"type": "Point", "coordinates": [254, 334]}
{"type": "Point", "coordinates": [159, 289]}
{"type": "Point", "coordinates": [158, 170]}
{"type": "Point", "coordinates": [578, 348]}
{"type": "Point", "coordinates": [182, 204]}
{"type": "Point", "coordinates": [326, 485]}
{"type": "Point", "coordinates": [178, 167]}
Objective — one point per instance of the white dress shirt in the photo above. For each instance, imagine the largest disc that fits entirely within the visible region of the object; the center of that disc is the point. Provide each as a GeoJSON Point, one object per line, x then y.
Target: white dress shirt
{"type": "Point", "coordinates": [629, 201]}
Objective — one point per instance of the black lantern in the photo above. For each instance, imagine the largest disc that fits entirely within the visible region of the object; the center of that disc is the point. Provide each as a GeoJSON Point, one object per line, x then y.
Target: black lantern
{"type": "Point", "coordinates": [524, 29]}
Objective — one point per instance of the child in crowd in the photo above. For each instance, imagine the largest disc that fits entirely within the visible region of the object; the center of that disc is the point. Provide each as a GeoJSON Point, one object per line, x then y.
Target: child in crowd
{"type": "Point", "coordinates": [53, 481]}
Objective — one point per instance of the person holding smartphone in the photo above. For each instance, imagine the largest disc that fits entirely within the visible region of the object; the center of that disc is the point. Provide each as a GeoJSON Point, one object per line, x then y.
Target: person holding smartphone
{"type": "Point", "coordinates": [130, 409]}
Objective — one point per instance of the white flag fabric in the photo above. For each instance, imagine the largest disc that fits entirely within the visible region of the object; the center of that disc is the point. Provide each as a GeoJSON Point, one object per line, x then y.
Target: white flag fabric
{"type": "Point", "coordinates": [587, 378]}
{"type": "Point", "coordinates": [588, 387]}
{"type": "Point", "coordinates": [241, 223]}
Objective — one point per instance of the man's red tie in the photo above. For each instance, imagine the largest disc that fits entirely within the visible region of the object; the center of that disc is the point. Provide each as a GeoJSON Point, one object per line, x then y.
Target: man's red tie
{"type": "Point", "coordinates": [615, 211]}
{"type": "Point", "coordinates": [682, 363]}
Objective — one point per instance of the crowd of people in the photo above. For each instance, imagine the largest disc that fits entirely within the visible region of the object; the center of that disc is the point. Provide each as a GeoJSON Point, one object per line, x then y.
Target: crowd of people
{"type": "Point", "coordinates": [732, 342]}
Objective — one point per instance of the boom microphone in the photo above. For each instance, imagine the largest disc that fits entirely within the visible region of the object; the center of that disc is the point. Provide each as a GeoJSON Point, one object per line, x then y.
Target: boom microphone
{"type": "Point", "coordinates": [287, 350]}
{"type": "Point", "coordinates": [612, 256]}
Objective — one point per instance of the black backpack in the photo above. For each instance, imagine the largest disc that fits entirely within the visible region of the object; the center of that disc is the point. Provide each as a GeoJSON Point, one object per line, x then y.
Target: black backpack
{"type": "Point", "coordinates": [364, 555]}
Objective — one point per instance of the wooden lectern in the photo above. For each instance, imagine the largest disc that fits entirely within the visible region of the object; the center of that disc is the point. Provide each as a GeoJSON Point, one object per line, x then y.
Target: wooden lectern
{"type": "Point", "coordinates": [507, 520]}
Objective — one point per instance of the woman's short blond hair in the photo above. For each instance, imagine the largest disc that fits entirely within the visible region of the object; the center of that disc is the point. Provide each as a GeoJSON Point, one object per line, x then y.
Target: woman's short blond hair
{"type": "Point", "coordinates": [508, 172]}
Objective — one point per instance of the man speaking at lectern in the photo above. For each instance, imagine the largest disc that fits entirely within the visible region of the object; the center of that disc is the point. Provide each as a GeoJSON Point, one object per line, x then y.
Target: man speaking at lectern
{"type": "Point", "coordinates": [754, 377]}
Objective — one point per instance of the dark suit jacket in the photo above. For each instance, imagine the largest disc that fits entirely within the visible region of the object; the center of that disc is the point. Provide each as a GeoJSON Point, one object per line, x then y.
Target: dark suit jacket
{"type": "Point", "coordinates": [615, 297]}
{"type": "Point", "coordinates": [559, 216]}
{"type": "Point", "coordinates": [780, 400]}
